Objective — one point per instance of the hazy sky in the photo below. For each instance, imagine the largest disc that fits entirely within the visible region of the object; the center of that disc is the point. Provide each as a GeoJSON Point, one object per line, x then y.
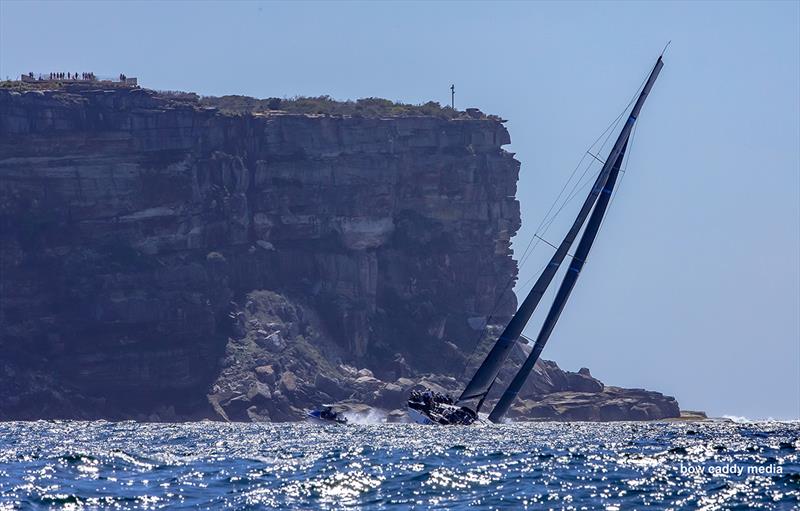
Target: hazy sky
{"type": "Point", "coordinates": [693, 287]}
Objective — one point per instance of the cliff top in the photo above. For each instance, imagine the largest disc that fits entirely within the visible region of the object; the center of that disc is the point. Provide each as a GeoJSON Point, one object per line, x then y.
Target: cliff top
{"type": "Point", "coordinates": [237, 105]}
{"type": "Point", "coordinates": [325, 105]}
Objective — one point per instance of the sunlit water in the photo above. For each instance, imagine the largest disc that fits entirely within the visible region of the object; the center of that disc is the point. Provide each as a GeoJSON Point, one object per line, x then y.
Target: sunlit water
{"type": "Point", "coordinates": [264, 466]}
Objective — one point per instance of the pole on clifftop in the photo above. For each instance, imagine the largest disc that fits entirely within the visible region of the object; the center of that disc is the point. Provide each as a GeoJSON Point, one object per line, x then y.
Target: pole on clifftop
{"type": "Point", "coordinates": [453, 96]}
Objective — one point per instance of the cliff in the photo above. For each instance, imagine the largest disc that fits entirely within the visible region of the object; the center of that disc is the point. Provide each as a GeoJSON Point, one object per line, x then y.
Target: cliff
{"type": "Point", "coordinates": [165, 258]}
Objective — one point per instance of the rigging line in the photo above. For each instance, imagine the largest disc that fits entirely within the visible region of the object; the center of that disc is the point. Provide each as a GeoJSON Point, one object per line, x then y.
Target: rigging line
{"type": "Point", "coordinates": [586, 183]}
{"type": "Point", "coordinates": [499, 300]}
{"type": "Point", "coordinates": [611, 201]}
{"type": "Point", "coordinates": [573, 193]}
{"type": "Point", "coordinates": [529, 251]}
{"type": "Point", "coordinates": [572, 196]}
{"type": "Point", "coordinates": [575, 188]}
{"type": "Point", "coordinates": [561, 192]}
{"type": "Point", "coordinates": [528, 248]}
{"type": "Point", "coordinates": [489, 318]}
{"type": "Point", "coordinates": [619, 182]}
{"type": "Point", "coordinates": [546, 222]}
{"type": "Point", "coordinates": [622, 177]}
{"type": "Point", "coordinates": [607, 132]}
{"type": "Point", "coordinates": [622, 171]}
{"type": "Point", "coordinates": [525, 257]}
{"type": "Point", "coordinates": [555, 247]}
{"type": "Point", "coordinates": [530, 279]}
{"type": "Point", "coordinates": [595, 157]}
{"type": "Point", "coordinates": [630, 102]}
{"type": "Point", "coordinates": [525, 285]}
{"type": "Point", "coordinates": [616, 123]}
{"type": "Point", "coordinates": [630, 150]}
{"type": "Point", "coordinates": [525, 254]}
{"type": "Point", "coordinates": [544, 226]}
{"type": "Point", "coordinates": [609, 128]}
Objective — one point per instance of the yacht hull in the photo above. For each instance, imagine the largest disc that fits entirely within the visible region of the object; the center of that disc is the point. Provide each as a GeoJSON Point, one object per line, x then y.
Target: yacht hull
{"type": "Point", "coordinates": [420, 418]}
{"type": "Point", "coordinates": [314, 418]}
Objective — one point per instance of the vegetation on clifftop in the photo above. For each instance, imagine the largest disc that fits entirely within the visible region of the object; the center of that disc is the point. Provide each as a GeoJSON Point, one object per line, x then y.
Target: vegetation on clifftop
{"type": "Point", "coordinates": [325, 105]}
{"type": "Point", "coordinates": [237, 104]}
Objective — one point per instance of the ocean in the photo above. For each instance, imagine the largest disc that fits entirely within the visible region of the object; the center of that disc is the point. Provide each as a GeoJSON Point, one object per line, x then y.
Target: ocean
{"type": "Point", "coordinates": [209, 465]}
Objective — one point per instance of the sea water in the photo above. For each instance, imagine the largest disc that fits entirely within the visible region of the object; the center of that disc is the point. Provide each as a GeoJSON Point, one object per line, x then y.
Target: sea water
{"type": "Point", "coordinates": [206, 465]}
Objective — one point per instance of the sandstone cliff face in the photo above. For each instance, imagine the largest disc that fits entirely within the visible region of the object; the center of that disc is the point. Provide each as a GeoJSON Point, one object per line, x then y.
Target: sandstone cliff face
{"type": "Point", "coordinates": [164, 260]}
{"type": "Point", "coordinates": [131, 222]}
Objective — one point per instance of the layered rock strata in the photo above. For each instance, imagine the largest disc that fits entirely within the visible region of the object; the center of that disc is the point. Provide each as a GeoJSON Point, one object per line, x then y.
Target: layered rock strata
{"type": "Point", "coordinates": [162, 259]}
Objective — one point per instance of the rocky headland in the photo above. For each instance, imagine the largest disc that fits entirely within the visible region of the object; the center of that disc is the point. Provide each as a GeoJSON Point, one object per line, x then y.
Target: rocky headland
{"type": "Point", "coordinates": [170, 257]}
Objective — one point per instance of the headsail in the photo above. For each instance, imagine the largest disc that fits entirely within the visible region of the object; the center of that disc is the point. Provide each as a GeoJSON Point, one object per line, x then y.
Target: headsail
{"type": "Point", "coordinates": [613, 164]}
{"type": "Point", "coordinates": [564, 291]}
{"type": "Point", "coordinates": [481, 382]}
{"type": "Point", "coordinates": [484, 377]}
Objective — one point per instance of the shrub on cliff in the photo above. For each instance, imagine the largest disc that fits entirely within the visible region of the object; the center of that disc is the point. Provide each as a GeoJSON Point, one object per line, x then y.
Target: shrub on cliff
{"type": "Point", "coordinates": [325, 105]}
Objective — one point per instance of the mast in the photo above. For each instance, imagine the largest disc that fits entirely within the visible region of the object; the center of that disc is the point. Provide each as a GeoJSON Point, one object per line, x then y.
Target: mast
{"type": "Point", "coordinates": [478, 387]}
{"type": "Point", "coordinates": [614, 161]}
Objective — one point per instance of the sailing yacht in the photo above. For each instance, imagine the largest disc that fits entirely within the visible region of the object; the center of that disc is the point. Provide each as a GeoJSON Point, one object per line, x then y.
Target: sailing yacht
{"type": "Point", "coordinates": [431, 408]}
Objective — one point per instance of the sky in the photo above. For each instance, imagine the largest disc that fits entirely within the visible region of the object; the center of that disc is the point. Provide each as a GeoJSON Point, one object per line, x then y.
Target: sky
{"type": "Point", "coordinates": [693, 286]}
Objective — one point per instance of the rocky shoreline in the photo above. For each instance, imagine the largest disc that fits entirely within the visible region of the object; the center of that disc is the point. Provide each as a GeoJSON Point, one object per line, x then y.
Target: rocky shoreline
{"type": "Point", "coordinates": [167, 259]}
{"type": "Point", "coordinates": [276, 384]}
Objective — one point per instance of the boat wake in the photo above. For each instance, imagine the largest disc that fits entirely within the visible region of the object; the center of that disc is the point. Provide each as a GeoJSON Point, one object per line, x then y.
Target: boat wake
{"type": "Point", "coordinates": [372, 416]}
{"type": "Point", "coordinates": [747, 420]}
{"type": "Point", "coordinates": [738, 418]}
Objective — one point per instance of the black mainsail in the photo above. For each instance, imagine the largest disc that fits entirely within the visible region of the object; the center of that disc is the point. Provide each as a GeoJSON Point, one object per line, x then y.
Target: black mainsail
{"type": "Point", "coordinates": [428, 407]}
{"type": "Point", "coordinates": [564, 291]}
{"type": "Point", "coordinates": [613, 162]}
{"type": "Point", "coordinates": [480, 384]}
{"type": "Point", "coordinates": [484, 377]}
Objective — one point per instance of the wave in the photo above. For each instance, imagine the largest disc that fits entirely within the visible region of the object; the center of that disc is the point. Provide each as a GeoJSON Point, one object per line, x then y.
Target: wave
{"type": "Point", "coordinates": [291, 466]}
{"type": "Point", "coordinates": [738, 418]}
{"type": "Point", "coordinates": [747, 420]}
{"type": "Point", "coordinates": [371, 416]}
